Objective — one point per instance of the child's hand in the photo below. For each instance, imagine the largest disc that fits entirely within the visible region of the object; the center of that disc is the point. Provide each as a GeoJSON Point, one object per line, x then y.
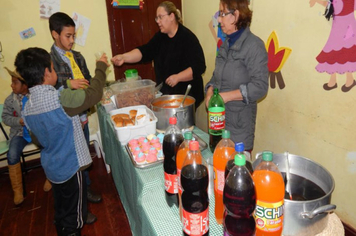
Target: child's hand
{"type": "Point", "coordinates": [79, 83]}
{"type": "Point", "coordinates": [104, 58]}
{"type": "Point", "coordinates": [21, 122]}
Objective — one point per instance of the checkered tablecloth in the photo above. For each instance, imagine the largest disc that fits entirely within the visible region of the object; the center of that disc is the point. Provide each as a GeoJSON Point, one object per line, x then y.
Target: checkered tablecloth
{"type": "Point", "coordinates": [142, 190]}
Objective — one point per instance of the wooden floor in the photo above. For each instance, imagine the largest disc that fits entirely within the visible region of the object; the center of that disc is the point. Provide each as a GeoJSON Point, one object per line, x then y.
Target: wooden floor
{"type": "Point", "coordinates": [35, 216]}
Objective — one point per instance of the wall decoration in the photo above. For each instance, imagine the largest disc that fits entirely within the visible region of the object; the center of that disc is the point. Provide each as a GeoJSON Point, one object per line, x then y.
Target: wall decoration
{"type": "Point", "coordinates": [127, 4]}
{"type": "Point", "coordinates": [277, 56]}
{"type": "Point", "coordinates": [339, 53]}
{"type": "Point", "coordinates": [82, 25]}
{"type": "Point", "coordinates": [216, 31]}
{"type": "Point", "coordinates": [49, 7]}
{"type": "Point", "coordinates": [27, 33]}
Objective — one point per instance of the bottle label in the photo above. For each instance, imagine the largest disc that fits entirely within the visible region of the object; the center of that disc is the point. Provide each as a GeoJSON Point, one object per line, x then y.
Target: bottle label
{"type": "Point", "coordinates": [171, 183]}
{"type": "Point", "coordinates": [216, 118]}
{"type": "Point", "coordinates": [219, 181]}
{"type": "Point", "coordinates": [196, 224]}
{"type": "Point", "coordinates": [180, 189]}
{"type": "Point", "coordinates": [269, 216]}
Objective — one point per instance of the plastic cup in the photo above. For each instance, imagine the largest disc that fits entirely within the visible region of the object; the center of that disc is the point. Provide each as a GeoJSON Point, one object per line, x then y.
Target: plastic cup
{"type": "Point", "coordinates": [131, 74]}
{"type": "Point", "coordinates": [98, 55]}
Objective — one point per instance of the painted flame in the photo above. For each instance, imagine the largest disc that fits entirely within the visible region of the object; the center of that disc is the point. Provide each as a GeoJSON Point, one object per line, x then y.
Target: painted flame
{"type": "Point", "coordinates": [277, 56]}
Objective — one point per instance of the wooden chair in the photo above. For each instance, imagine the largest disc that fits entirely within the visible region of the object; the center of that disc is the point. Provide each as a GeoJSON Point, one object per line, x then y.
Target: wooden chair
{"type": "Point", "coordinates": [29, 150]}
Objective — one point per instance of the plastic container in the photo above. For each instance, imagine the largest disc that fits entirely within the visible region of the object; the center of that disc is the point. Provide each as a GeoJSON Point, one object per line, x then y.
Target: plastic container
{"type": "Point", "coordinates": [133, 93]}
{"type": "Point", "coordinates": [181, 155]}
{"type": "Point", "coordinates": [239, 149]}
{"type": "Point", "coordinates": [216, 116]}
{"type": "Point", "coordinates": [239, 200]}
{"type": "Point", "coordinates": [195, 200]}
{"type": "Point", "coordinates": [222, 155]}
{"type": "Point", "coordinates": [131, 74]}
{"type": "Point", "coordinates": [269, 187]}
{"type": "Point", "coordinates": [125, 134]}
{"type": "Point", "coordinates": [172, 140]}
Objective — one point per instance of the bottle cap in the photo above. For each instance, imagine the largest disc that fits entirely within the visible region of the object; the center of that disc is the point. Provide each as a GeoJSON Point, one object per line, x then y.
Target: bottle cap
{"type": "Point", "coordinates": [188, 135]}
{"type": "Point", "coordinates": [267, 156]}
{"type": "Point", "coordinates": [240, 160]}
{"type": "Point", "coordinates": [194, 145]}
{"type": "Point", "coordinates": [225, 134]}
{"type": "Point", "coordinates": [239, 147]}
{"type": "Point", "coordinates": [216, 90]}
{"type": "Point", "coordinates": [173, 120]}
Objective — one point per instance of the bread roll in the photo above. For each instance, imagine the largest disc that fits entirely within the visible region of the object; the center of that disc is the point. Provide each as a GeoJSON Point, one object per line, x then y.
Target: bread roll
{"type": "Point", "coordinates": [128, 122]}
{"type": "Point", "coordinates": [133, 114]}
{"type": "Point", "coordinates": [118, 121]}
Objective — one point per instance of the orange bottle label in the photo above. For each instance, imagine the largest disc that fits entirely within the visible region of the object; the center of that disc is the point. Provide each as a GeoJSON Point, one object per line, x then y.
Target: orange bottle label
{"type": "Point", "coordinates": [196, 224]}
{"type": "Point", "coordinates": [219, 180]}
{"type": "Point", "coordinates": [269, 216]}
{"type": "Point", "coordinates": [171, 183]}
{"type": "Point", "coordinates": [216, 120]}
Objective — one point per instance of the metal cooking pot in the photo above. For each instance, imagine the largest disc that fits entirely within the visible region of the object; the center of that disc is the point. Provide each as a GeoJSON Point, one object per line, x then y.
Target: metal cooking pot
{"type": "Point", "coordinates": [305, 217]}
{"type": "Point", "coordinates": [168, 105]}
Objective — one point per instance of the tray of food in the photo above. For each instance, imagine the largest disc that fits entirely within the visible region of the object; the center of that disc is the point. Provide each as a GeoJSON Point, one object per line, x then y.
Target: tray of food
{"type": "Point", "coordinates": [145, 151]}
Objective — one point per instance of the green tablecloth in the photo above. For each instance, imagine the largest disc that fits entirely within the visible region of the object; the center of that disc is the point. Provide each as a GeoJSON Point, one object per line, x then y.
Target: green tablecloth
{"type": "Point", "coordinates": [142, 190]}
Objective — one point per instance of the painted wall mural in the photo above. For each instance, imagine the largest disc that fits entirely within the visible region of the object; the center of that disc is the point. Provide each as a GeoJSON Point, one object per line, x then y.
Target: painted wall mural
{"type": "Point", "coordinates": [339, 53]}
{"type": "Point", "coordinates": [277, 56]}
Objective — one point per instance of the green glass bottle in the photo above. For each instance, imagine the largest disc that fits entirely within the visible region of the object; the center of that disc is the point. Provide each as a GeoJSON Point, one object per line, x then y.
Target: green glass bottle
{"type": "Point", "coordinates": [216, 116]}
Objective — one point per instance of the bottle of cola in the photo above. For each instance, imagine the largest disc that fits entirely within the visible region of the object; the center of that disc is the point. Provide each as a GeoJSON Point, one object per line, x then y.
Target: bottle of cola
{"type": "Point", "coordinates": [195, 200]}
{"type": "Point", "coordinates": [172, 139]}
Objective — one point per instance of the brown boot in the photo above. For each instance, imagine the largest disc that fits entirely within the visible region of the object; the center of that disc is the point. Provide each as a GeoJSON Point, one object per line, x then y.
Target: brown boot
{"type": "Point", "coordinates": [15, 174]}
{"type": "Point", "coordinates": [47, 186]}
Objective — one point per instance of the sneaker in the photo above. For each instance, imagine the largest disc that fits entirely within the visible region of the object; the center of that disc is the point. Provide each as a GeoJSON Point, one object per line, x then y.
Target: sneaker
{"type": "Point", "coordinates": [91, 218]}
{"type": "Point", "coordinates": [92, 196]}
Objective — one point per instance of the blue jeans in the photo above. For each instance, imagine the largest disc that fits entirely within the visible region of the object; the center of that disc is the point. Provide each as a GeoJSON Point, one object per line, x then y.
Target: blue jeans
{"type": "Point", "coordinates": [17, 144]}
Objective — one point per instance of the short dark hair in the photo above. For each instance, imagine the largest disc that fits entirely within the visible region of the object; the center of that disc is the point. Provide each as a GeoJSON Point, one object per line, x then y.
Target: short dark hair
{"type": "Point", "coordinates": [31, 64]}
{"type": "Point", "coordinates": [245, 16]}
{"type": "Point", "coordinates": [59, 20]}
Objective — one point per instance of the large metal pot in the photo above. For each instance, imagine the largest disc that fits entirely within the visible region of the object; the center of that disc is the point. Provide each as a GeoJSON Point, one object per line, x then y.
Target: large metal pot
{"type": "Point", "coordinates": [168, 105]}
{"type": "Point", "coordinates": [305, 217]}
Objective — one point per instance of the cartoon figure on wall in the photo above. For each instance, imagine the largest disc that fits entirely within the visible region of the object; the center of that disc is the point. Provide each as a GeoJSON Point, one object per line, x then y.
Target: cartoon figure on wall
{"type": "Point", "coordinates": [218, 35]}
{"type": "Point", "coordinates": [277, 56]}
{"type": "Point", "coordinates": [339, 53]}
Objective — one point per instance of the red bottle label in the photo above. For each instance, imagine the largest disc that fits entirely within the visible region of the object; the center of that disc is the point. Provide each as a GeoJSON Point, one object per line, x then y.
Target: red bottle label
{"type": "Point", "coordinates": [180, 189]}
{"type": "Point", "coordinates": [196, 224]}
{"type": "Point", "coordinates": [219, 180]}
{"type": "Point", "coordinates": [171, 183]}
{"type": "Point", "coordinates": [217, 120]}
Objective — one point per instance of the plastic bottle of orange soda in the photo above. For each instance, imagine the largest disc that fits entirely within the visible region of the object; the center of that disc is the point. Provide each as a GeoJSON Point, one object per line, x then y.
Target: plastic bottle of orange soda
{"type": "Point", "coordinates": [222, 154]}
{"type": "Point", "coordinates": [269, 186]}
{"type": "Point", "coordinates": [181, 155]}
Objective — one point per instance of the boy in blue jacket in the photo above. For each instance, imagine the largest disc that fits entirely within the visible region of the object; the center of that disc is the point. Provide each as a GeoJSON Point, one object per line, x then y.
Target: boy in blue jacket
{"type": "Point", "coordinates": [52, 116]}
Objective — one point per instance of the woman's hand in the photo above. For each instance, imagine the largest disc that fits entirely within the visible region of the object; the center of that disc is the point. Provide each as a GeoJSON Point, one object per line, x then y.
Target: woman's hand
{"type": "Point", "coordinates": [79, 83]}
{"type": "Point", "coordinates": [172, 80]}
{"type": "Point", "coordinates": [118, 60]}
{"type": "Point", "coordinates": [209, 93]}
{"type": "Point", "coordinates": [312, 3]}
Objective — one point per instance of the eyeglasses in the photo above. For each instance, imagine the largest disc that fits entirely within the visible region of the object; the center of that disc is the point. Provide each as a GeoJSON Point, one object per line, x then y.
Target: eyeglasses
{"type": "Point", "coordinates": [223, 14]}
{"type": "Point", "coordinates": [160, 17]}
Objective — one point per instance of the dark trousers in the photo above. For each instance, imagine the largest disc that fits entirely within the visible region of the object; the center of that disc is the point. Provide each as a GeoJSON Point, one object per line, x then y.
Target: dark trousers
{"type": "Point", "coordinates": [70, 205]}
